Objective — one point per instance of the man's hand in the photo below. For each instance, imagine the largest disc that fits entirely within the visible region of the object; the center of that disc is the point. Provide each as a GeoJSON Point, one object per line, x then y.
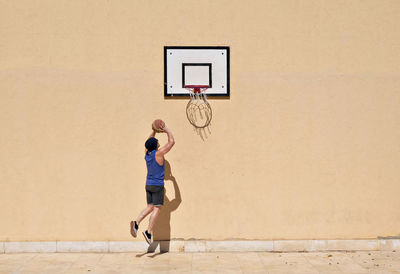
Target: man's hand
{"type": "Point", "coordinates": [165, 129]}
{"type": "Point", "coordinates": [162, 129]}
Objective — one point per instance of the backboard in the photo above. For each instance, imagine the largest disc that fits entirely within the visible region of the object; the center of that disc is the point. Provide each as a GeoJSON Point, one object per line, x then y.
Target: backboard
{"type": "Point", "coordinates": [199, 66]}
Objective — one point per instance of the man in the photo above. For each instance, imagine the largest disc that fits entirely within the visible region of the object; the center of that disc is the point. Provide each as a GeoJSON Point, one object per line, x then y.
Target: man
{"type": "Point", "coordinates": [154, 156]}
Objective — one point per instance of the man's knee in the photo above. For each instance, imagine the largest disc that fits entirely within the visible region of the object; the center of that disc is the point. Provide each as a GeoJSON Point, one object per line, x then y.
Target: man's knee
{"type": "Point", "coordinates": [150, 206]}
{"type": "Point", "coordinates": [157, 208]}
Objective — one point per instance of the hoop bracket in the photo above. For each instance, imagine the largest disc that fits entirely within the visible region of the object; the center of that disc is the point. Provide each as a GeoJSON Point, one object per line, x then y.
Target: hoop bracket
{"type": "Point", "coordinates": [196, 88]}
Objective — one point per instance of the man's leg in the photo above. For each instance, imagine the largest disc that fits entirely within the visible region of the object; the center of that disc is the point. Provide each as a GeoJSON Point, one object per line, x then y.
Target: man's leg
{"type": "Point", "coordinates": [144, 213]}
{"type": "Point", "coordinates": [153, 218]}
{"type": "Point", "coordinates": [158, 201]}
{"type": "Point", "coordinates": [149, 208]}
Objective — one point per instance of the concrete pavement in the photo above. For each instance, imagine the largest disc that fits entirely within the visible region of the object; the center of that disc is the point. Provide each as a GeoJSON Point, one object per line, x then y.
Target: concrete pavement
{"type": "Point", "coordinates": [232, 262]}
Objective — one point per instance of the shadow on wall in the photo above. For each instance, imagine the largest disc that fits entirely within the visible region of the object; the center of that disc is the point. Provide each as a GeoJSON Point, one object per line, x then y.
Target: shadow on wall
{"type": "Point", "coordinates": [162, 228]}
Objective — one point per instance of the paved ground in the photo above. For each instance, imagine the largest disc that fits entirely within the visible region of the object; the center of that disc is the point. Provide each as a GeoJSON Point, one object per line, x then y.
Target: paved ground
{"type": "Point", "coordinates": [249, 262]}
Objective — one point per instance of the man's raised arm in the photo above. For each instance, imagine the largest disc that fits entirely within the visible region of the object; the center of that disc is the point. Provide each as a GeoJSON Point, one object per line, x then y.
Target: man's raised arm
{"type": "Point", "coordinates": [170, 143]}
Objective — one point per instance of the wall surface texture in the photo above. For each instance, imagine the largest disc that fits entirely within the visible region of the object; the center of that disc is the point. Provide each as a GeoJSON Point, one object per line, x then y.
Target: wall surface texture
{"type": "Point", "coordinates": [306, 147]}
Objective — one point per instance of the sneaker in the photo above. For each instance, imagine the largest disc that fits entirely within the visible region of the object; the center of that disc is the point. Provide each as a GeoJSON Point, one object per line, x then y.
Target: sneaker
{"type": "Point", "coordinates": [134, 228]}
{"type": "Point", "coordinates": [147, 236]}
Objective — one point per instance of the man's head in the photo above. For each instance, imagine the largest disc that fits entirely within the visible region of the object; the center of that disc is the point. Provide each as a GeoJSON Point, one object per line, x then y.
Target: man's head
{"type": "Point", "coordinates": [151, 144]}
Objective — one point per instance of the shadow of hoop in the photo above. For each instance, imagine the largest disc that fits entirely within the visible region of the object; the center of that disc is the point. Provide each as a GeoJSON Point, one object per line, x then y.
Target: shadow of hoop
{"type": "Point", "coordinates": [199, 114]}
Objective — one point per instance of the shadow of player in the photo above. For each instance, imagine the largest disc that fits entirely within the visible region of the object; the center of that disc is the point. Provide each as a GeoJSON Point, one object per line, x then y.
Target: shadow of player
{"type": "Point", "coordinates": [162, 228]}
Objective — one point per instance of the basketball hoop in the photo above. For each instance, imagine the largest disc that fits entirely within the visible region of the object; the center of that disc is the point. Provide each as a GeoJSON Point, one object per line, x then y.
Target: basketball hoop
{"type": "Point", "coordinates": [198, 110]}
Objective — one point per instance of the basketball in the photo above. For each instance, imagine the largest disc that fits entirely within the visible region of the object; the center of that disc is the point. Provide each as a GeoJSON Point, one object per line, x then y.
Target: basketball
{"type": "Point", "coordinates": [158, 125]}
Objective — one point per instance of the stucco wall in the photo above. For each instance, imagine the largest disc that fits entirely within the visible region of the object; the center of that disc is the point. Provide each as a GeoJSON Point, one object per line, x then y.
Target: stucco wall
{"type": "Point", "coordinates": [307, 146]}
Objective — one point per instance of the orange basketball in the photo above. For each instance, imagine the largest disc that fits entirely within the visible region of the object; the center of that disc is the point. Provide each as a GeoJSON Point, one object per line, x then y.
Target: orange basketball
{"type": "Point", "coordinates": [158, 125]}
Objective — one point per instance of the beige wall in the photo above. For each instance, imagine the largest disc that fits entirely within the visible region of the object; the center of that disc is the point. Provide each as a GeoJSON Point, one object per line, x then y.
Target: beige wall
{"type": "Point", "coordinates": [307, 146]}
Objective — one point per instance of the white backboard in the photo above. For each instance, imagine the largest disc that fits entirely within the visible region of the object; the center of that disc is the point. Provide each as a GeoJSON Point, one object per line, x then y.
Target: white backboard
{"type": "Point", "coordinates": [196, 66]}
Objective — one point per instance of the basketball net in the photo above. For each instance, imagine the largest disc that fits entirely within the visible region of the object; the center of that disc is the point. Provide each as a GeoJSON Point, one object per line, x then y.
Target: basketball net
{"type": "Point", "coordinates": [198, 109]}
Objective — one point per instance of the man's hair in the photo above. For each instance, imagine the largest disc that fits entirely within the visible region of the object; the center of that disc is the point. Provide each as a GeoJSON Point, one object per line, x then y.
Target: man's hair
{"type": "Point", "coordinates": [151, 144]}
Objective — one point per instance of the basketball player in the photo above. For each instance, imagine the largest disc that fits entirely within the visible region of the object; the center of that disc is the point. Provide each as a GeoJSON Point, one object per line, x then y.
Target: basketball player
{"type": "Point", "coordinates": [154, 156]}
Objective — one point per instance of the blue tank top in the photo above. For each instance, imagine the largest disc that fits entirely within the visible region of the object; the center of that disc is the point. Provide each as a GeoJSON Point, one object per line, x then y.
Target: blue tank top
{"type": "Point", "coordinates": [155, 172]}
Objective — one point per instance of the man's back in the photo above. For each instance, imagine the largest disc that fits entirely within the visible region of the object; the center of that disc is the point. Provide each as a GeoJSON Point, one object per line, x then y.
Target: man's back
{"type": "Point", "coordinates": [155, 171]}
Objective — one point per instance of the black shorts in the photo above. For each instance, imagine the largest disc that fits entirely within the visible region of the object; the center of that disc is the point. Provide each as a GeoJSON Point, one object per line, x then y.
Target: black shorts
{"type": "Point", "coordinates": [155, 195]}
